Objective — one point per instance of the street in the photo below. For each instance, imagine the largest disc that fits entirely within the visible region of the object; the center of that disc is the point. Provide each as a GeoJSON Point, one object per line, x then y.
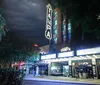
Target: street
{"type": "Point", "coordinates": [35, 82]}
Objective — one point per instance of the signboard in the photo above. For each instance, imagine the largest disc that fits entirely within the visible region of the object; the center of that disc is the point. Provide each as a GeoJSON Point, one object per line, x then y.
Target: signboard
{"type": "Point", "coordinates": [88, 51]}
{"type": "Point", "coordinates": [49, 56]}
{"type": "Point", "coordinates": [66, 54]}
{"type": "Point", "coordinates": [48, 32]}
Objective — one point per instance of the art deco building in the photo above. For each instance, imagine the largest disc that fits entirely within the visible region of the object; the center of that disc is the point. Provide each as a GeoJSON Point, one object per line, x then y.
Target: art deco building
{"type": "Point", "coordinates": [61, 30]}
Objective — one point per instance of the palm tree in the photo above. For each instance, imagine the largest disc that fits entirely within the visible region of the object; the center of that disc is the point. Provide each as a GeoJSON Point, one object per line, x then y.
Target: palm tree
{"type": "Point", "coordinates": [3, 27]}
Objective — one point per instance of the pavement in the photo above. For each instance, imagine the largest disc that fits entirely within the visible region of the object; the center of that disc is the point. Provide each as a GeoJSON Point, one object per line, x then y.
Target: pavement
{"type": "Point", "coordinates": [34, 82]}
{"type": "Point", "coordinates": [61, 79]}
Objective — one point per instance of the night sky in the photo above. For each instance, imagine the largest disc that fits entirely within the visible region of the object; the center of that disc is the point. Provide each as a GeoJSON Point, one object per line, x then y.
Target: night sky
{"type": "Point", "coordinates": [26, 19]}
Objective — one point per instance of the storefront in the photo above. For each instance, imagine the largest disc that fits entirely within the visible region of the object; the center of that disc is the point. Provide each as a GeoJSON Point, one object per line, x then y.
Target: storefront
{"type": "Point", "coordinates": [90, 59]}
{"type": "Point", "coordinates": [98, 68]}
{"type": "Point", "coordinates": [44, 63]}
{"type": "Point", "coordinates": [67, 68]}
{"type": "Point", "coordinates": [82, 68]}
{"type": "Point", "coordinates": [86, 63]}
{"type": "Point", "coordinates": [58, 65]}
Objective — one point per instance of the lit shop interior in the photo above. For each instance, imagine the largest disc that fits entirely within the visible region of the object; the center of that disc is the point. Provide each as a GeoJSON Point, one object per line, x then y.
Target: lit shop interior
{"type": "Point", "coordinates": [86, 63]}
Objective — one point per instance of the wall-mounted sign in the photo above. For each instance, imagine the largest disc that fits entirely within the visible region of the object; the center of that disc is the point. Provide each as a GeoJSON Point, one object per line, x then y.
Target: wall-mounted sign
{"type": "Point", "coordinates": [48, 32]}
{"type": "Point", "coordinates": [88, 51]}
{"type": "Point", "coordinates": [49, 56]}
{"type": "Point", "coordinates": [66, 54]}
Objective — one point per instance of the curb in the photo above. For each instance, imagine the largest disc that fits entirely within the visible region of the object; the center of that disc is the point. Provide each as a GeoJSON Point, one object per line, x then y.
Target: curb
{"type": "Point", "coordinates": [58, 81]}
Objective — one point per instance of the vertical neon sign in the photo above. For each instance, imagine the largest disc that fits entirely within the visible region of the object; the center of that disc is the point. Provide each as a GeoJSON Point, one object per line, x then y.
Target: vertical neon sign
{"type": "Point", "coordinates": [48, 32]}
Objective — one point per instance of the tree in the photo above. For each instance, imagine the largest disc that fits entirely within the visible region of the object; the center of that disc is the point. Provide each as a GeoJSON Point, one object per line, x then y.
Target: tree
{"type": "Point", "coordinates": [11, 52]}
{"type": "Point", "coordinates": [3, 27]}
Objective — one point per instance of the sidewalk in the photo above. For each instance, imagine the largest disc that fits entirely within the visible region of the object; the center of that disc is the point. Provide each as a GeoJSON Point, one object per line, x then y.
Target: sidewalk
{"type": "Point", "coordinates": [62, 79]}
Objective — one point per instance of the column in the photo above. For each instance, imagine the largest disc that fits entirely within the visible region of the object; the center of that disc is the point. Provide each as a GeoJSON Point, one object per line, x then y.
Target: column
{"type": "Point", "coordinates": [37, 71]}
{"type": "Point", "coordinates": [69, 62]}
{"type": "Point", "coordinates": [94, 67]}
{"type": "Point", "coordinates": [27, 68]}
{"type": "Point", "coordinates": [70, 67]}
{"type": "Point", "coordinates": [49, 69]}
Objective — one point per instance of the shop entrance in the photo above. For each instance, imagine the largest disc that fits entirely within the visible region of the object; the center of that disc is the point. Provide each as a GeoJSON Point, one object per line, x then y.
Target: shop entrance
{"type": "Point", "coordinates": [43, 69]}
{"type": "Point", "coordinates": [82, 69]}
{"type": "Point", "coordinates": [98, 68]}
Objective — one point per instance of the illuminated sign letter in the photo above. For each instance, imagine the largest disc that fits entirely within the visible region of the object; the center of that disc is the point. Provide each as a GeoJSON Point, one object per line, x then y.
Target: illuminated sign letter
{"type": "Point", "coordinates": [48, 34]}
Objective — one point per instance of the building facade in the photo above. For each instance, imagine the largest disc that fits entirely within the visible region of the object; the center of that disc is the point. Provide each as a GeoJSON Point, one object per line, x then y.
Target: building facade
{"type": "Point", "coordinates": [85, 64]}
{"type": "Point", "coordinates": [63, 60]}
{"type": "Point", "coordinates": [61, 31]}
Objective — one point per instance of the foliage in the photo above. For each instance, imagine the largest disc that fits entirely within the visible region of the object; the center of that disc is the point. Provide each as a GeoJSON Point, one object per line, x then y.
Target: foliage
{"type": "Point", "coordinates": [3, 27]}
{"type": "Point", "coordinates": [34, 58]}
{"type": "Point", "coordinates": [11, 77]}
{"type": "Point", "coordinates": [10, 52]}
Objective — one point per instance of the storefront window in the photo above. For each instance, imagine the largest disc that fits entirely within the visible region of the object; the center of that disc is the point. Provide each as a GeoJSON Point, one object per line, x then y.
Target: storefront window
{"type": "Point", "coordinates": [56, 68]}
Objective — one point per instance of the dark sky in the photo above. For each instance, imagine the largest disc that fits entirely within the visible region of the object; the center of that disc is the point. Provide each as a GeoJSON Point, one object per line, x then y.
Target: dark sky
{"type": "Point", "coordinates": [26, 19]}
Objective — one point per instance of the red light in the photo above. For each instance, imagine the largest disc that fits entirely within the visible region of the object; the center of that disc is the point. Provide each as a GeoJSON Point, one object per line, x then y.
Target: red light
{"type": "Point", "coordinates": [35, 45]}
{"type": "Point", "coordinates": [22, 63]}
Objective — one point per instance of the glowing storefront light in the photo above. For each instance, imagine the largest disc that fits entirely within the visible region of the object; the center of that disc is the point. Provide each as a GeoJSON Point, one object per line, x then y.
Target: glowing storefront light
{"type": "Point", "coordinates": [50, 56]}
{"type": "Point", "coordinates": [66, 54]}
{"type": "Point", "coordinates": [88, 51]}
